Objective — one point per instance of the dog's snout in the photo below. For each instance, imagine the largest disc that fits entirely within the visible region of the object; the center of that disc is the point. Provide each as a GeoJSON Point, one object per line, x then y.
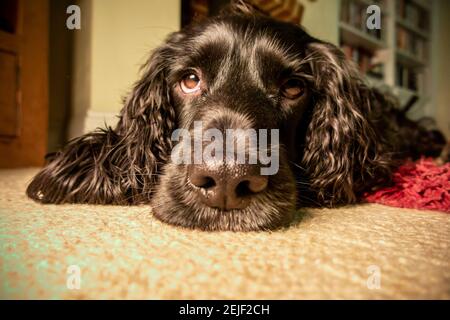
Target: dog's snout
{"type": "Point", "coordinates": [227, 187]}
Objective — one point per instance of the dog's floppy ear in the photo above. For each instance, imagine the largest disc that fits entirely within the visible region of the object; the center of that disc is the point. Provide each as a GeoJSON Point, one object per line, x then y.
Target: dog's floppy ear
{"type": "Point", "coordinates": [120, 165]}
{"type": "Point", "coordinates": [343, 152]}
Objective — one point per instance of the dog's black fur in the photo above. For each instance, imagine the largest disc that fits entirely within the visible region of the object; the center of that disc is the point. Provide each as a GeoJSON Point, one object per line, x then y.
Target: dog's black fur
{"type": "Point", "coordinates": [339, 138]}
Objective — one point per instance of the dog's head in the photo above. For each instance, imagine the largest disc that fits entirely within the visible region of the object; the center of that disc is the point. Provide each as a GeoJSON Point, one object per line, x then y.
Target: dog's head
{"type": "Point", "coordinates": [245, 71]}
{"type": "Point", "coordinates": [296, 104]}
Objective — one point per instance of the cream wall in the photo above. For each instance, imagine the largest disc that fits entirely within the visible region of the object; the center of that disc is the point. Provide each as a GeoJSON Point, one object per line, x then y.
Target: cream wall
{"type": "Point", "coordinates": [123, 34]}
{"type": "Point", "coordinates": [320, 19]}
{"type": "Point", "coordinates": [115, 38]}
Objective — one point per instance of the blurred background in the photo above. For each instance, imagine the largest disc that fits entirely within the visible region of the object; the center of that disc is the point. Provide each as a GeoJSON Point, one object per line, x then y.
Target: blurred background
{"type": "Point", "coordinates": [57, 83]}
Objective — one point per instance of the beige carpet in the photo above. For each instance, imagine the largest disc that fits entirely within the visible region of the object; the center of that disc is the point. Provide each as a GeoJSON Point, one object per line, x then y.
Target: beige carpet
{"type": "Point", "coordinates": [365, 251]}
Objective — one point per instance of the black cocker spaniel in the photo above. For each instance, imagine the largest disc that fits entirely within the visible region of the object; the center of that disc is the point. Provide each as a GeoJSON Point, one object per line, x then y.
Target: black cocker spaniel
{"type": "Point", "coordinates": [240, 70]}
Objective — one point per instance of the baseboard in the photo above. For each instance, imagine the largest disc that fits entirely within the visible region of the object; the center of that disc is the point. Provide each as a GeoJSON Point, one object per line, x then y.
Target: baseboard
{"type": "Point", "coordinates": [84, 123]}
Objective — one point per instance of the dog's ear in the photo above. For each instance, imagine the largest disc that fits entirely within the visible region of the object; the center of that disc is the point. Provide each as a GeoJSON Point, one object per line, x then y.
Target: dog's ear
{"type": "Point", "coordinates": [343, 152]}
{"type": "Point", "coordinates": [119, 165]}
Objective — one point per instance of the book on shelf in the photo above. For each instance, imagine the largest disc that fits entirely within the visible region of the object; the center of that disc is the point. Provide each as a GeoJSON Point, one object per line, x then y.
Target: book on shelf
{"type": "Point", "coordinates": [402, 40]}
{"type": "Point", "coordinates": [345, 14]}
{"type": "Point", "coordinates": [415, 15]}
{"type": "Point", "coordinates": [353, 13]}
{"type": "Point", "coordinates": [400, 8]}
{"type": "Point", "coordinates": [410, 78]}
{"type": "Point", "coordinates": [414, 45]}
{"type": "Point", "coordinates": [424, 21]}
{"type": "Point", "coordinates": [363, 59]}
{"type": "Point", "coordinates": [347, 50]}
{"type": "Point", "coordinates": [411, 14]}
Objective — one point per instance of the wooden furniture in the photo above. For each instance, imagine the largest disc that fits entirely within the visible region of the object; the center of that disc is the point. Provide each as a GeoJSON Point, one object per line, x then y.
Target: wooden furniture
{"type": "Point", "coordinates": [23, 82]}
{"type": "Point", "coordinates": [285, 10]}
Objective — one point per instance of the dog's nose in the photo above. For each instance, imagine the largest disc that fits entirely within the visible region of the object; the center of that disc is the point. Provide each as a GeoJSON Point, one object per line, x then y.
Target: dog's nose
{"type": "Point", "coordinates": [227, 187]}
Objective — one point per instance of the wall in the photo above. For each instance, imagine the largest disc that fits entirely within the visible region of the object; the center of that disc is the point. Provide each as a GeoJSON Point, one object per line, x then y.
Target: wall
{"type": "Point", "coordinates": [441, 65]}
{"type": "Point", "coordinates": [81, 71]}
{"type": "Point", "coordinates": [320, 19]}
{"type": "Point", "coordinates": [115, 38]}
{"type": "Point", "coordinates": [60, 82]}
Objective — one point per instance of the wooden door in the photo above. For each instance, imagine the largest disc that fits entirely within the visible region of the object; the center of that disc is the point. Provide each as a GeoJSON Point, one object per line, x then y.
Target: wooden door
{"type": "Point", "coordinates": [23, 82]}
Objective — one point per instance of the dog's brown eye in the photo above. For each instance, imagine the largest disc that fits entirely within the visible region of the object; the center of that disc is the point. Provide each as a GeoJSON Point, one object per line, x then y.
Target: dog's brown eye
{"type": "Point", "coordinates": [292, 88]}
{"type": "Point", "coordinates": [190, 83]}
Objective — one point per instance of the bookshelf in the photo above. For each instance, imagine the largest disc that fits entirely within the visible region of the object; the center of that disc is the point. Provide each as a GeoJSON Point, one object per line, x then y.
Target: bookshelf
{"type": "Point", "coordinates": [357, 38]}
{"type": "Point", "coordinates": [397, 55]}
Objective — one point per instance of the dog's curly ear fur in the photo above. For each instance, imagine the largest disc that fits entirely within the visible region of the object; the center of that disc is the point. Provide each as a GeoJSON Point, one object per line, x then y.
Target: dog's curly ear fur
{"type": "Point", "coordinates": [343, 152]}
{"type": "Point", "coordinates": [120, 165]}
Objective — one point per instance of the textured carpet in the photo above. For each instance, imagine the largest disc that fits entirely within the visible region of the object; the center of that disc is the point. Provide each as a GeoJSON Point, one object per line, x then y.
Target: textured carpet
{"type": "Point", "coordinates": [364, 251]}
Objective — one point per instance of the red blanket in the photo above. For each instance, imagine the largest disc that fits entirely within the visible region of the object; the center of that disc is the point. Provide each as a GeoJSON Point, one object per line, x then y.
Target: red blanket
{"type": "Point", "coordinates": [419, 185]}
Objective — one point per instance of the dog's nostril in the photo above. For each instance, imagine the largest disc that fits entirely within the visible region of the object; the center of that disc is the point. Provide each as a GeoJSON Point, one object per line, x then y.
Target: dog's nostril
{"type": "Point", "coordinates": [242, 189]}
{"type": "Point", "coordinates": [201, 181]}
{"type": "Point", "coordinates": [254, 184]}
{"type": "Point", "coordinates": [208, 182]}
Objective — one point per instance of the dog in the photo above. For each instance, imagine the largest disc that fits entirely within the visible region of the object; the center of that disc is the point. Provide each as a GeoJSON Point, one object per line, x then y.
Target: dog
{"type": "Point", "coordinates": [240, 70]}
